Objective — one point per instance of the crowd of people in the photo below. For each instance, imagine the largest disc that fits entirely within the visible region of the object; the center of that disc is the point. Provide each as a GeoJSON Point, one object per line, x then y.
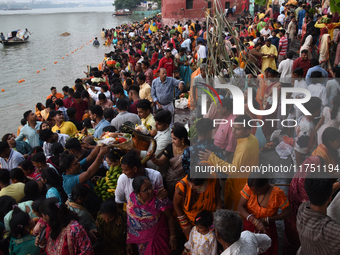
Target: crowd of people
{"type": "Point", "coordinates": [48, 176]}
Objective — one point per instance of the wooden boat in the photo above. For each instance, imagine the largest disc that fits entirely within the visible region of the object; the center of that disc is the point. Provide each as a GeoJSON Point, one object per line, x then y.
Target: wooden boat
{"type": "Point", "coordinates": [15, 37]}
{"type": "Point", "coordinates": [124, 12]}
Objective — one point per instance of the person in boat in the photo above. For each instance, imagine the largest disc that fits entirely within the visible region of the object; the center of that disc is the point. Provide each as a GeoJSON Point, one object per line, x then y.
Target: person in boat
{"type": "Point", "coordinates": [2, 37]}
{"type": "Point", "coordinates": [96, 42]}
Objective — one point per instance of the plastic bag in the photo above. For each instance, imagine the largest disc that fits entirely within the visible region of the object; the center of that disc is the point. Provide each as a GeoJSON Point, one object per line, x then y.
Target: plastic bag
{"type": "Point", "coordinates": [284, 150]}
{"type": "Point", "coordinates": [181, 103]}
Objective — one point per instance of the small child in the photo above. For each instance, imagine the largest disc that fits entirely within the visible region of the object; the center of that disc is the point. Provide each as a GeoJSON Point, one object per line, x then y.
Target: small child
{"type": "Point", "coordinates": [177, 77]}
{"type": "Point", "coordinates": [41, 224]}
{"type": "Point", "coordinates": [202, 239]}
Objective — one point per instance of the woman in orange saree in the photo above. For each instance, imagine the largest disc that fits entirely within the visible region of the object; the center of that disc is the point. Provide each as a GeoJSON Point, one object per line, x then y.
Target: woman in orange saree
{"type": "Point", "coordinates": [259, 206]}
{"type": "Point", "coordinates": [262, 79]}
{"type": "Point", "coordinates": [193, 196]}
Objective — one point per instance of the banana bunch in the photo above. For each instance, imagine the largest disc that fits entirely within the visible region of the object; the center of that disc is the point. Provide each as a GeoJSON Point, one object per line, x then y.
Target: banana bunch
{"type": "Point", "coordinates": [106, 186]}
{"type": "Point", "coordinates": [80, 136]}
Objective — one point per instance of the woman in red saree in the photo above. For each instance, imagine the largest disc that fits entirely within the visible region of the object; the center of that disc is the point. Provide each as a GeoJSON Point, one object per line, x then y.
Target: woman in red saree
{"type": "Point", "coordinates": [148, 220]}
{"type": "Point", "coordinates": [245, 6]}
{"type": "Point", "coordinates": [259, 206]}
{"type": "Point", "coordinates": [154, 58]}
{"type": "Point", "coordinates": [64, 235]}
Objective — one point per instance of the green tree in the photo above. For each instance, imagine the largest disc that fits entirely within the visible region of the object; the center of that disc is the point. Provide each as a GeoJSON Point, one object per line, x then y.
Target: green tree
{"type": "Point", "coordinates": [125, 4]}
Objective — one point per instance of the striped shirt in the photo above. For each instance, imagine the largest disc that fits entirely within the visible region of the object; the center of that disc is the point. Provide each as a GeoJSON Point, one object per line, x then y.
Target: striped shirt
{"type": "Point", "coordinates": [317, 232]}
{"type": "Point", "coordinates": [284, 45]}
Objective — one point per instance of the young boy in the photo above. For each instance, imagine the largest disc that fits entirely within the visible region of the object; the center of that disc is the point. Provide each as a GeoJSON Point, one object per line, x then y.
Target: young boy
{"type": "Point", "coordinates": [163, 137]}
{"type": "Point", "coordinates": [177, 77]}
{"type": "Point", "coordinates": [144, 113]}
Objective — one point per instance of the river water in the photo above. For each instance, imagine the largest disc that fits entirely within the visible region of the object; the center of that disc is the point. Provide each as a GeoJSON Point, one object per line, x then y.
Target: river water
{"type": "Point", "coordinates": [46, 46]}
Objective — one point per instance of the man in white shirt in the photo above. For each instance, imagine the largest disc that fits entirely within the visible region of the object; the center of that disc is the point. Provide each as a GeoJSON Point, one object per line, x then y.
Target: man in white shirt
{"type": "Point", "coordinates": [298, 82]}
{"type": "Point", "coordinates": [132, 167]}
{"type": "Point", "coordinates": [49, 139]}
{"type": "Point", "coordinates": [317, 89]}
{"type": "Point", "coordinates": [238, 76]}
{"type": "Point", "coordinates": [286, 68]}
{"type": "Point", "coordinates": [281, 17]}
{"type": "Point", "coordinates": [265, 31]}
{"type": "Point", "coordinates": [173, 50]}
{"type": "Point", "coordinates": [187, 44]}
{"type": "Point", "coordinates": [185, 32]}
{"type": "Point", "coordinates": [201, 51]}
{"type": "Point", "coordinates": [228, 230]}
{"type": "Point", "coordinates": [95, 91]}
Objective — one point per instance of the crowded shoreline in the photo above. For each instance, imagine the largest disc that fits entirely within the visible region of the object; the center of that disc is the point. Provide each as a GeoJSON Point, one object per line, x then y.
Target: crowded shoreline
{"type": "Point", "coordinates": [104, 165]}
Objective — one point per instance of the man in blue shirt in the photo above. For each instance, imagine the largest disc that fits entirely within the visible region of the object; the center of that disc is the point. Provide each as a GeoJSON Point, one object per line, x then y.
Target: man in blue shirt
{"type": "Point", "coordinates": [275, 40]}
{"type": "Point", "coordinates": [96, 114]}
{"type": "Point", "coordinates": [29, 131]}
{"type": "Point", "coordinates": [73, 173]}
{"type": "Point", "coordinates": [162, 90]}
{"type": "Point", "coordinates": [301, 16]}
{"type": "Point", "coordinates": [316, 67]}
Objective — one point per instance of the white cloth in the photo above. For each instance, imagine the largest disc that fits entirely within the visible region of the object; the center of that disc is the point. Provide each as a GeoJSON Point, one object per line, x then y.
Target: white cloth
{"type": "Point", "coordinates": [95, 95]}
{"type": "Point", "coordinates": [265, 32]}
{"type": "Point", "coordinates": [201, 53]}
{"type": "Point", "coordinates": [47, 146]}
{"type": "Point", "coordinates": [174, 51]}
{"type": "Point", "coordinates": [299, 84]}
{"type": "Point", "coordinates": [333, 210]}
{"type": "Point", "coordinates": [201, 244]}
{"type": "Point", "coordinates": [332, 89]}
{"type": "Point", "coordinates": [249, 244]}
{"type": "Point", "coordinates": [281, 18]}
{"type": "Point", "coordinates": [286, 69]}
{"type": "Point", "coordinates": [186, 44]}
{"type": "Point", "coordinates": [328, 122]}
{"type": "Point", "coordinates": [124, 185]}
{"type": "Point", "coordinates": [319, 90]}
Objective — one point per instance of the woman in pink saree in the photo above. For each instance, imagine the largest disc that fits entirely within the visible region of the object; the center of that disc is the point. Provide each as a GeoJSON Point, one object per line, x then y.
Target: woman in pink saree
{"type": "Point", "coordinates": [149, 220]}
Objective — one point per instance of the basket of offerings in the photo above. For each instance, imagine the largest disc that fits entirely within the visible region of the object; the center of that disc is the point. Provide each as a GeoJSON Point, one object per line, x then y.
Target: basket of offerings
{"type": "Point", "coordinates": [122, 141]}
{"type": "Point", "coordinates": [140, 135]}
